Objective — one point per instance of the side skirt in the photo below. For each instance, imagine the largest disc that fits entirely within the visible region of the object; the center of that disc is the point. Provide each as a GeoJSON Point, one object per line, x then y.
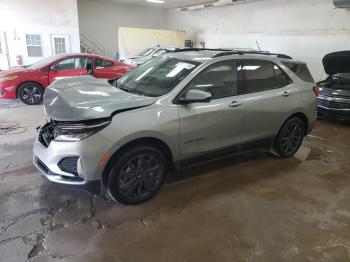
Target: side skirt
{"type": "Point", "coordinates": [263, 144]}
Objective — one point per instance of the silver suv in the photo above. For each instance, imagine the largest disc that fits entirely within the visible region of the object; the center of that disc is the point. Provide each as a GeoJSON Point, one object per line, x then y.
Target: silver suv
{"type": "Point", "coordinates": [174, 111]}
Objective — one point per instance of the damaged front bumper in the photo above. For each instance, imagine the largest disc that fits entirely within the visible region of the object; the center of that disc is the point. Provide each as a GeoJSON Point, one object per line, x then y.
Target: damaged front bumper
{"type": "Point", "coordinates": [71, 163]}
{"type": "Point", "coordinates": [93, 187]}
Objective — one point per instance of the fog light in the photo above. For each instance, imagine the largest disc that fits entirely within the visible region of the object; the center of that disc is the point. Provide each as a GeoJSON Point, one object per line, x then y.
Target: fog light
{"type": "Point", "coordinates": [69, 165]}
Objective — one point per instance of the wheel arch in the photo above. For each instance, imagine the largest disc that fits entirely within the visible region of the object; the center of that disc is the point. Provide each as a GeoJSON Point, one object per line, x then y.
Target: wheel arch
{"type": "Point", "coordinates": [302, 117]}
{"type": "Point", "coordinates": [149, 141]}
{"type": "Point", "coordinates": [28, 82]}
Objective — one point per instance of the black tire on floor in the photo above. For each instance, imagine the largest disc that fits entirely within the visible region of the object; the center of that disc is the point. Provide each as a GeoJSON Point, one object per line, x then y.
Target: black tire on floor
{"type": "Point", "coordinates": [290, 137]}
{"type": "Point", "coordinates": [137, 175]}
{"type": "Point", "coordinates": [30, 93]}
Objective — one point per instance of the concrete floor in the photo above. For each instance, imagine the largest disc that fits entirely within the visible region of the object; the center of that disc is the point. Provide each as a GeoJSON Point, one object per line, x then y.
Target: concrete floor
{"type": "Point", "coordinates": [249, 208]}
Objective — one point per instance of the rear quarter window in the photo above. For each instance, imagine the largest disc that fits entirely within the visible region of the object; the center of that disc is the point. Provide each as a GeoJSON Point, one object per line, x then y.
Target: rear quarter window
{"type": "Point", "coordinates": [261, 75]}
{"type": "Point", "coordinates": [103, 63]}
{"type": "Point", "coordinates": [301, 70]}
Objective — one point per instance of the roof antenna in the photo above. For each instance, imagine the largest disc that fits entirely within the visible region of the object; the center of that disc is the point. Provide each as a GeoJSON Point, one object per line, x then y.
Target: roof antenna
{"type": "Point", "coordinates": [257, 43]}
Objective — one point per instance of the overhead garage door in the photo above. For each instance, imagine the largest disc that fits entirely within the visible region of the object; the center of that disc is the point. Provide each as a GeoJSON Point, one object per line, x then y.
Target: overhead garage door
{"type": "Point", "coordinates": [133, 40]}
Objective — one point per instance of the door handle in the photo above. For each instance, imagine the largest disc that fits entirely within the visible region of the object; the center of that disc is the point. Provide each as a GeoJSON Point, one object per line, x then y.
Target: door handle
{"type": "Point", "coordinates": [235, 104]}
{"type": "Point", "coordinates": [286, 94]}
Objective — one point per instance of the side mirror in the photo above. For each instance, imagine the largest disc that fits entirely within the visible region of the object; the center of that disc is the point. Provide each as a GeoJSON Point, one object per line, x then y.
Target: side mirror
{"type": "Point", "coordinates": [114, 81]}
{"type": "Point", "coordinates": [54, 68]}
{"type": "Point", "coordinates": [195, 96]}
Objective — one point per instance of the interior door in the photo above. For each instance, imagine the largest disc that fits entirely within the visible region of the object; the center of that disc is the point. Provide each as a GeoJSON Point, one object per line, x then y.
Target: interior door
{"type": "Point", "coordinates": [4, 65]}
{"type": "Point", "coordinates": [60, 44]}
{"type": "Point", "coordinates": [216, 125]}
{"type": "Point", "coordinates": [264, 97]}
{"type": "Point", "coordinates": [69, 67]}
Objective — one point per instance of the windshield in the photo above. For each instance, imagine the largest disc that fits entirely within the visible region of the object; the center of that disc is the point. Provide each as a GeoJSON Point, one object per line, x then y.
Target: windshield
{"type": "Point", "coordinates": [45, 61]}
{"type": "Point", "coordinates": [146, 52]}
{"type": "Point", "coordinates": [157, 76]}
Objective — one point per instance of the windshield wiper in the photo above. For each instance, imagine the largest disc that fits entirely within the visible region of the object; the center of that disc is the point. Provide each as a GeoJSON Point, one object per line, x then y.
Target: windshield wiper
{"type": "Point", "coordinates": [128, 90]}
{"type": "Point", "coordinates": [132, 91]}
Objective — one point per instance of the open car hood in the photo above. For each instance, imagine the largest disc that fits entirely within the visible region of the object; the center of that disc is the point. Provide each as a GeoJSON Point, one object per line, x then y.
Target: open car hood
{"type": "Point", "coordinates": [85, 98]}
{"type": "Point", "coordinates": [338, 62]}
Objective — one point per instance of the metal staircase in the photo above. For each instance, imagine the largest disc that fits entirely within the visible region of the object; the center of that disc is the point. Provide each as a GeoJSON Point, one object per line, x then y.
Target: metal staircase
{"type": "Point", "coordinates": [89, 45]}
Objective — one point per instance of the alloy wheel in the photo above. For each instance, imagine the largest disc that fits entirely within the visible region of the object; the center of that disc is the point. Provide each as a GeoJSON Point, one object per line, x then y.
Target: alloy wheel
{"type": "Point", "coordinates": [31, 95]}
{"type": "Point", "coordinates": [292, 138]}
{"type": "Point", "coordinates": [140, 176]}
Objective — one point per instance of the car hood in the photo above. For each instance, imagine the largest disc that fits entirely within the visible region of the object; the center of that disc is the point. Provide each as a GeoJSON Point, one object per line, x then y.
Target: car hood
{"type": "Point", "coordinates": [86, 98]}
{"type": "Point", "coordinates": [344, 92]}
{"type": "Point", "coordinates": [338, 62]}
{"type": "Point", "coordinates": [134, 57]}
{"type": "Point", "coordinates": [140, 60]}
{"type": "Point", "coordinates": [13, 71]}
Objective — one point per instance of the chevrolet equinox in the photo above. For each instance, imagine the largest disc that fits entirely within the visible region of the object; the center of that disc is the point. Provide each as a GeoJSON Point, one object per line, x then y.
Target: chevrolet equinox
{"type": "Point", "coordinates": [174, 111]}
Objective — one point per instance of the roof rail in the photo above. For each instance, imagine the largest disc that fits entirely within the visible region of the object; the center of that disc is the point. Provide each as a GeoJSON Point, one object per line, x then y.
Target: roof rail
{"type": "Point", "coordinates": [226, 52]}
{"type": "Point", "coordinates": [252, 53]}
{"type": "Point", "coordinates": [176, 50]}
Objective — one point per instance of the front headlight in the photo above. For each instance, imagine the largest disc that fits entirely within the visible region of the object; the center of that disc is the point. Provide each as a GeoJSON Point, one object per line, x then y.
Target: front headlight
{"type": "Point", "coordinates": [7, 78]}
{"type": "Point", "coordinates": [72, 132]}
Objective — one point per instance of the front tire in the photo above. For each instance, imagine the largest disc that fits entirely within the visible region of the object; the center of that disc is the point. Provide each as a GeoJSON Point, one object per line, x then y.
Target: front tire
{"type": "Point", "coordinates": [137, 175]}
{"type": "Point", "coordinates": [290, 137]}
{"type": "Point", "coordinates": [31, 93]}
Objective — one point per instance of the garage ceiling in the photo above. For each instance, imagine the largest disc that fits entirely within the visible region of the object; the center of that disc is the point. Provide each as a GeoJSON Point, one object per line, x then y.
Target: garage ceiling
{"type": "Point", "coordinates": [168, 3]}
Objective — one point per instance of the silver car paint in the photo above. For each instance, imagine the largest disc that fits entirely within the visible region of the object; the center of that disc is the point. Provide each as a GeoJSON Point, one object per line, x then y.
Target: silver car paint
{"type": "Point", "coordinates": [211, 126]}
{"type": "Point", "coordinates": [139, 60]}
{"type": "Point", "coordinates": [83, 98]}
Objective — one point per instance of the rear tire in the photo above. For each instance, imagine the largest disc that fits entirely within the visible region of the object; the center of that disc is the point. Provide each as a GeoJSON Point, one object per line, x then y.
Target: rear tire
{"type": "Point", "coordinates": [137, 175]}
{"type": "Point", "coordinates": [30, 93]}
{"type": "Point", "coordinates": [290, 137]}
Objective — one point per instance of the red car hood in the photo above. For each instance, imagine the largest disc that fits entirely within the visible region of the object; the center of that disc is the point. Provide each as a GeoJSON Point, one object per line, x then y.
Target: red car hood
{"type": "Point", "coordinates": [13, 71]}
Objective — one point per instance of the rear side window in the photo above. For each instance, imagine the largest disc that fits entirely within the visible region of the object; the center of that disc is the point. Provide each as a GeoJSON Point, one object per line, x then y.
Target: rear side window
{"type": "Point", "coordinates": [103, 63]}
{"type": "Point", "coordinates": [300, 70]}
{"type": "Point", "coordinates": [261, 76]}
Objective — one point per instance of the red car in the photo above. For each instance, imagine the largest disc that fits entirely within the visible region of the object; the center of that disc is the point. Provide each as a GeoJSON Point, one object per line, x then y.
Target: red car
{"type": "Point", "coordinates": [28, 83]}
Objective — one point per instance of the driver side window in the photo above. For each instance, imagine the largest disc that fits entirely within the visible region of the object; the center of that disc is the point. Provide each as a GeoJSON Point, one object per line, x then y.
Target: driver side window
{"type": "Point", "coordinates": [73, 63]}
{"type": "Point", "coordinates": [219, 79]}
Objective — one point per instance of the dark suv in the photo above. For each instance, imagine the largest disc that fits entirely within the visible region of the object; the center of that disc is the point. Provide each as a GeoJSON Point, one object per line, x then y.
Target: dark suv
{"type": "Point", "coordinates": [334, 100]}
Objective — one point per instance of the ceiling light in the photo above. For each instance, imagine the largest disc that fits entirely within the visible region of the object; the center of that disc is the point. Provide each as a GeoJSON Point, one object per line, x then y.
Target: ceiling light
{"type": "Point", "coordinates": [156, 1]}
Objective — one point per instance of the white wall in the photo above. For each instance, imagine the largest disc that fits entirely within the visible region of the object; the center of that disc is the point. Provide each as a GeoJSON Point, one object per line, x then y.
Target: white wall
{"type": "Point", "coordinates": [21, 17]}
{"type": "Point", "coordinates": [304, 29]}
{"type": "Point", "coordinates": [101, 20]}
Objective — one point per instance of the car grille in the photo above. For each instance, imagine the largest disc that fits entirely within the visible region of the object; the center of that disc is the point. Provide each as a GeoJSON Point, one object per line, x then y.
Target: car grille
{"type": "Point", "coordinates": [341, 96]}
{"type": "Point", "coordinates": [334, 102]}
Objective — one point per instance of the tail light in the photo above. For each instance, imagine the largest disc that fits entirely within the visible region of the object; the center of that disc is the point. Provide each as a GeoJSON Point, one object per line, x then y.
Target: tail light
{"type": "Point", "coordinates": [317, 90]}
